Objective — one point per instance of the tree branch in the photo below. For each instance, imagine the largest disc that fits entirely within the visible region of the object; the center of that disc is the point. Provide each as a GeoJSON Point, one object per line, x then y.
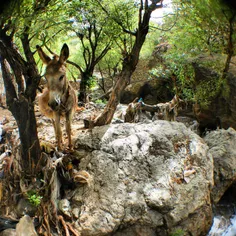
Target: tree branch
{"type": "Point", "coordinates": [116, 20]}
{"type": "Point", "coordinates": [103, 53]}
{"type": "Point", "coordinates": [85, 49]}
{"type": "Point", "coordinates": [11, 94]}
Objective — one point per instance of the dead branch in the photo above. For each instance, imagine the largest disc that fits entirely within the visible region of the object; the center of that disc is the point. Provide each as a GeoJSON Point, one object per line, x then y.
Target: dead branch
{"type": "Point", "coordinates": [165, 111]}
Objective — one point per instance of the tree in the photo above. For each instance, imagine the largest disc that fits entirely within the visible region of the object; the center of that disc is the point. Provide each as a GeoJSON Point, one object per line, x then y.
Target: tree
{"type": "Point", "coordinates": [92, 54]}
{"type": "Point", "coordinates": [90, 34]}
{"type": "Point", "coordinates": [20, 98]}
{"type": "Point", "coordinates": [130, 57]}
{"type": "Point", "coordinates": [96, 35]}
{"type": "Point", "coordinates": [24, 24]}
{"type": "Point", "coordinates": [228, 11]}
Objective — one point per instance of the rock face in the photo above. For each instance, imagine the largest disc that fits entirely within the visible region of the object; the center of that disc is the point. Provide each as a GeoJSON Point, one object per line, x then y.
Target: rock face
{"type": "Point", "coordinates": [222, 109]}
{"type": "Point", "coordinates": [152, 91]}
{"type": "Point", "coordinates": [147, 179]}
{"type": "Point", "coordinates": [222, 147]}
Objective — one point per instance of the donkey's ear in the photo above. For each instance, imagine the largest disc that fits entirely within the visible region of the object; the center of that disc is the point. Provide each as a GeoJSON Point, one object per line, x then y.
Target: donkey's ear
{"type": "Point", "coordinates": [64, 53]}
{"type": "Point", "coordinates": [43, 56]}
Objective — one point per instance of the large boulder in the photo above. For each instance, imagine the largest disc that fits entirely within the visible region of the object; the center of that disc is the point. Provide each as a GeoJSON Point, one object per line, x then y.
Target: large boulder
{"type": "Point", "coordinates": [145, 179]}
{"type": "Point", "coordinates": [222, 148]}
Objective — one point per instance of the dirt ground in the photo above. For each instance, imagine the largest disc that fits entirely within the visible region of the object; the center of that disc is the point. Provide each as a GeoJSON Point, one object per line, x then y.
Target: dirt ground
{"type": "Point", "coordinates": [44, 125]}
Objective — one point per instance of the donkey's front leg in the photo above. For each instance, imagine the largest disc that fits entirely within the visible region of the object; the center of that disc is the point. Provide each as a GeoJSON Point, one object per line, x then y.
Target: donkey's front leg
{"type": "Point", "coordinates": [68, 128]}
{"type": "Point", "coordinates": [57, 128]}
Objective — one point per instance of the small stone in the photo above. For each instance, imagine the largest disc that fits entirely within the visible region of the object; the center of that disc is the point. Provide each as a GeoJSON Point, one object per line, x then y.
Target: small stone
{"type": "Point", "coordinates": [8, 232]}
{"type": "Point", "coordinates": [26, 227]}
{"type": "Point", "coordinates": [64, 207]}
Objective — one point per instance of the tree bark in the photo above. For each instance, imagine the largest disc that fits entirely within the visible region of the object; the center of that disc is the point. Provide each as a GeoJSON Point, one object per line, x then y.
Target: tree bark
{"type": "Point", "coordinates": [85, 77]}
{"type": "Point", "coordinates": [109, 110]}
{"type": "Point", "coordinates": [21, 102]}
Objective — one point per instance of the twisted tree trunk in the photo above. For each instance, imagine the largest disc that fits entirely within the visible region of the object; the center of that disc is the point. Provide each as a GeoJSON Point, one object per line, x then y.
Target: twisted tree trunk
{"type": "Point", "coordinates": [109, 110]}
{"type": "Point", "coordinates": [21, 101]}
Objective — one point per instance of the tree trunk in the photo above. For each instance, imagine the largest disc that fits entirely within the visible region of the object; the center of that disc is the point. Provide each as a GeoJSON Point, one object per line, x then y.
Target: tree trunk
{"type": "Point", "coordinates": [21, 102]}
{"type": "Point", "coordinates": [109, 110]}
{"type": "Point", "coordinates": [83, 87]}
{"type": "Point", "coordinates": [23, 111]}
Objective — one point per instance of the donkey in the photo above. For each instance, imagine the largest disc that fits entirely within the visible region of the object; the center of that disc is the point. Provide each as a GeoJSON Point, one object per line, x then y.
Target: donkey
{"type": "Point", "coordinates": [58, 98]}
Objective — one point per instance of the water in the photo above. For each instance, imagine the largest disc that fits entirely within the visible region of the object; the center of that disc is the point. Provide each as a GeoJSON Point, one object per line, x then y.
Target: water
{"type": "Point", "coordinates": [224, 222]}
{"type": "Point", "coordinates": [223, 226]}
{"type": "Point", "coordinates": [231, 230]}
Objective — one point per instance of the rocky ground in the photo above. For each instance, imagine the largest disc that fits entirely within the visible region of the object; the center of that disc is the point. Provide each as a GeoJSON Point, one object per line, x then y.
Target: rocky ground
{"type": "Point", "coordinates": [148, 178]}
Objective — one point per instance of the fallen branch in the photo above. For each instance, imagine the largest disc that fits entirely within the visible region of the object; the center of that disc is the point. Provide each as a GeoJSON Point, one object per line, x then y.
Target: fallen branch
{"type": "Point", "coordinates": [165, 111]}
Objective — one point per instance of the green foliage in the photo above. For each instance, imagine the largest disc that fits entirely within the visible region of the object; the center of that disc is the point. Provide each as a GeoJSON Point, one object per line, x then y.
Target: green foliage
{"type": "Point", "coordinates": [177, 232]}
{"type": "Point", "coordinates": [101, 102]}
{"type": "Point", "coordinates": [34, 198]}
{"type": "Point", "coordinates": [182, 68]}
{"type": "Point", "coordinates": [92, 82]}
{"type": "Point", "coordinates": [206, 91]}
{"type": "Point", "coordinates": [159, 72]}
{"type": "Point", "coordinates": [111, 61]}
{"type": "Point", "coordinates": [193, 34]}
{"type": "Point", "coordinates": [150, 44]}
{"type": "Point", "coordinates": [201, 31]}
{"type": "Point", "coordinates": [200, 28]}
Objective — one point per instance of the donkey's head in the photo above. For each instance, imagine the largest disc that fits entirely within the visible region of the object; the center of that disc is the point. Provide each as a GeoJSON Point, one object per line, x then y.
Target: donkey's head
{"type": "Point", "coordinates": [55, 75]}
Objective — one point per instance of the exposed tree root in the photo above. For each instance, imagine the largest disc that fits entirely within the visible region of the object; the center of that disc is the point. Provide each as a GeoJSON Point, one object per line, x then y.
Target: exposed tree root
{"type": "Point", "coordinates": [74, 231]}
{"type": "Point", "coordinates": [15, 186]}
{"type": "Point", "coordinates": [64, 225]}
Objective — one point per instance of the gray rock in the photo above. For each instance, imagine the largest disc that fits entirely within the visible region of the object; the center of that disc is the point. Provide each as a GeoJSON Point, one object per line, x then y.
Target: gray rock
{"type": "Point", "coordinates": [25, 227]}
{"type": "Point", "coordinates": [222, 144]}
{"type": "Point", "coordinates": [139, 180]}
{"type": "Point", "coordinates": [64, 207]}
{"type": "Point", "coordinates": [24, 207]}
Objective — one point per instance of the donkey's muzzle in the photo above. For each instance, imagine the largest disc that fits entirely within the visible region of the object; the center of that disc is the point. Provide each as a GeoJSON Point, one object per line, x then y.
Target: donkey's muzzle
{"type": "Point", "coordinates": [53, 104]}
{"type": "Point", "coordinates": [54, 101]}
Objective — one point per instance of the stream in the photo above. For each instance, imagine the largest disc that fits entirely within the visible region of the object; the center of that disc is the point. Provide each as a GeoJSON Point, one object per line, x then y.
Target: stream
{"type": "Point", "coordinates": [224, 222]}
{"type": "Point", "coordinates": [223, 226]}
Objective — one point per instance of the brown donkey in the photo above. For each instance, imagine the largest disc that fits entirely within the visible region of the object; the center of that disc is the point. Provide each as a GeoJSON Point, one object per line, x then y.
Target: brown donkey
{"type": "Point", "coordinates": [58, 98]}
